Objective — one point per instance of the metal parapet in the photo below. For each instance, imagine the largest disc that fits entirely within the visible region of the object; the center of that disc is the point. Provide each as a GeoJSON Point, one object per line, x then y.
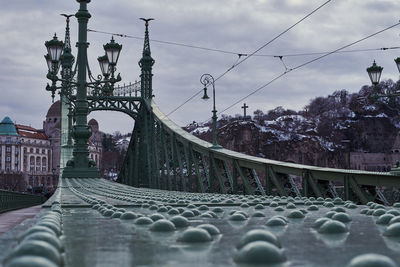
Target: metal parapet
{"type": "Point", "coordinates": [162, 155]}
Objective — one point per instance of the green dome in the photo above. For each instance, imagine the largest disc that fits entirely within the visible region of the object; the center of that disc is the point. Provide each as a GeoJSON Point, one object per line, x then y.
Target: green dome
{"type": "Point", "coordinates": [7, 127]}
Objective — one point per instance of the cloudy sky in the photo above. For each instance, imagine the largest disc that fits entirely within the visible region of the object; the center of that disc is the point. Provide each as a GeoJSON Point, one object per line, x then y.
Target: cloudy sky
{"type": "Point", "coordinates": [237, 26]}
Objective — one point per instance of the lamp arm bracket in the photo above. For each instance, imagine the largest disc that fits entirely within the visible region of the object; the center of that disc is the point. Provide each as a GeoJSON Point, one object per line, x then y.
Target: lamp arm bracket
{"type": "Point", "coordinates": [67, 81]}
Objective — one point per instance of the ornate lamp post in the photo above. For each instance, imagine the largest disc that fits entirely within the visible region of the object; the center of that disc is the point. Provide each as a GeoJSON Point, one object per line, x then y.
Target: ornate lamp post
{"type": "Point", "coordinates": [207, 79]}
{"type": "Point", "coordinates": [374, 73]}
{"type": "Point", "coordinates": [80, 166]}
{"type": "Point", "coordinates": [397, 61]}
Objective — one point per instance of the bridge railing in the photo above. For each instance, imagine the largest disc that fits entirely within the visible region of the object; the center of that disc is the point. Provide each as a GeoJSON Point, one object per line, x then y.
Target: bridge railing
{"type": "Point", "coordinates": [131, 89]}
{"type": "Point", "coordinates": [180, 161]}
{"type": "Point", "coordinates": [10, 200]}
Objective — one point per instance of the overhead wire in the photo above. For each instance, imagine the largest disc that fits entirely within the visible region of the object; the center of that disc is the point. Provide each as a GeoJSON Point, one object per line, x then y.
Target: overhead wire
{"type": "Point", "coordinates": [303, 65]}
{"type": "Point", "coordinates": [253, 53]}
{"type": "Point", "coordinates": [222, 51]}
{"type": "Point", "coordinates": [166, 42]}
{"type": "Point", "coordinates": [247, 55]}
{"type": "Point", "coordinates": [241, 54]}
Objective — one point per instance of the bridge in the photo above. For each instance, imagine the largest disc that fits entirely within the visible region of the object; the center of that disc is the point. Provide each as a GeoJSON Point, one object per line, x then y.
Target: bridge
{"type": "Point", "coordinates": [180, 201]}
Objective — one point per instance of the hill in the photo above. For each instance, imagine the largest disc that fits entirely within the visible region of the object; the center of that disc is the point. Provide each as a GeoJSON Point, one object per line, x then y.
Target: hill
{"type": "Point", "coordinates": [323, 133]}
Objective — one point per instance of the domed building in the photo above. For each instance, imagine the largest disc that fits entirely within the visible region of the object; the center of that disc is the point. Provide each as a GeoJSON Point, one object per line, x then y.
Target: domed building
{"type": "Point", "coordinates": [25, 157]}
{"type": "Point", "coordinates": [52, 129]}
{"type": "Point", "coordinates": [30, 158]}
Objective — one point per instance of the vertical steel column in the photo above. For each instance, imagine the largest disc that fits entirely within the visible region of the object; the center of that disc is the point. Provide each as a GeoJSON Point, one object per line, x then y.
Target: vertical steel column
{"type": "Point", "coordinates": [189, 165]}
{"type": "Point", "coordinates": [135, 179]}
{"type": "Point", "coordinates": [173, 160]}
{"type": "Point", "coordinates": [304, 180]}
{"type": "Point", "coordinates": [179, 159]}
{"type": "Point", "coordinates": [217, 172]}
{"type": "Point", "coordinates": [228, 175]}
{"type": "Point", "coordinates": [130, 160]}
{"type": "Point", "coordinates": [156, 171]}
{"type": "Point", "coordinates": [249, 190]}
{"type": "Point", "coordinates": [314, 185]}
{"type": "Point", "coordinates": [197, 170]}
{"type": "Point", "coordinates": [80, 166]}
{"type": "Point", "coordinates": [234, 178]}
{"type": "Point", "coordinates": [167, 163]}
{"type": "Point", "coordinates": [268, 183]}
{"type": "Point", "coordinates": [207, 174]}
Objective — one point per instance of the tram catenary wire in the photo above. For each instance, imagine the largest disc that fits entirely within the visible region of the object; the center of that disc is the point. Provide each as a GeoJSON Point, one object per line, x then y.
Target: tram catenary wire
{"type": "Point", "coordinates": [303, 65]}
{"type": "Point", "coordinates": [243, 54]}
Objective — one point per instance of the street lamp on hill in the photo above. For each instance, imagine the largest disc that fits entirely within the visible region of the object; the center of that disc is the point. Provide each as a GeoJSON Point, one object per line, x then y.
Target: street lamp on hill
{"type": "Point", "coordinates": [374, 73]}
{"type": "Point", "coordinates": [59, 54]}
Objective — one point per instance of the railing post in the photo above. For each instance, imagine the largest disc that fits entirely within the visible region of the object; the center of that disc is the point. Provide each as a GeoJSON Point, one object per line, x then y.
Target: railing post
{"type": "Point", "coordinates": [346, 187]}
{"type": "Point", "coordinates": [234, 178]}
{"type": "Point", "coordinates": [305, 177]}
{"type": "Point", "coordinates": [268, 183]}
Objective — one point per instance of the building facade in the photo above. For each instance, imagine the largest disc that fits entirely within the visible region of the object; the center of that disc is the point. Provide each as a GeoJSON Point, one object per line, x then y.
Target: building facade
{"type": "Point", "coordinates": [26, 157]}
{"type": "Point", "coordinates": [380, 162]}
{"type": "Point", "coordinates": [30, 158]}
{"type": "Point", "coordinates": [95, 143]}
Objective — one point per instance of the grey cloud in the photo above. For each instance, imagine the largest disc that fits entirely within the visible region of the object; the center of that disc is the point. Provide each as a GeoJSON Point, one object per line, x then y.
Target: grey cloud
{"type": "Point", "coordinates": [234, 25]}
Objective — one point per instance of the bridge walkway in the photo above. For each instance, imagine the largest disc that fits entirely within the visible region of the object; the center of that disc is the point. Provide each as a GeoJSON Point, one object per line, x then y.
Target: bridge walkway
{"type": "Point", "coordinates": [12, 218]}
{"type": "Point", "coordinates": [110, 224]}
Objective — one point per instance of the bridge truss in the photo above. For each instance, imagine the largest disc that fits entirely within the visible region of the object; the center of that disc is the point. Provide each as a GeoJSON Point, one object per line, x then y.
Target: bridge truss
{"type": "Point", "coordinates": [164, 156]}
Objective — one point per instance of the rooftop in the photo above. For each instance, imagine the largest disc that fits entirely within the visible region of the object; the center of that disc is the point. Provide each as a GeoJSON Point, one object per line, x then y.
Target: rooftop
{"type": "Point", "coordinates": [30, 132]}
{"type": "Point", "coordinates": [7, 127]}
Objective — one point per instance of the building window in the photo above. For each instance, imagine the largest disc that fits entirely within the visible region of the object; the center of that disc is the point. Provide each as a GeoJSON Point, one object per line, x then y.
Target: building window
{"type": "Point", "coordinates": [44, 167]}
{"type": "Point", "coordinates": [8, 149]}
{"type": "Point", "coordinates": [37, 150]}
{"type": "Point", "coordinates": [8, 140]}
{"type": "Point", "coordinates": [8, 159]}
{"type": "Point", "coordinates": [38, 163]}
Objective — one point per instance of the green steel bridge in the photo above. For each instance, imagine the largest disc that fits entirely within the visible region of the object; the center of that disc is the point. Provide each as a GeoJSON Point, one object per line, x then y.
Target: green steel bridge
{"type": "Point", "coordinates": [179, 201]}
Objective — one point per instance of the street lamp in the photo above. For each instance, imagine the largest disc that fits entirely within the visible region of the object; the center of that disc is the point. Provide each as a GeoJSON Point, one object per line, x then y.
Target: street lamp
{"type": "Point", "coordinates": [112, 51]}
{"type": "Point", "coordinates": [104, 65]}
{"type": "Point", "coordinates": [206, 80]}
{"type": "Point", "coordinates": [374, 73]}
{"type": "Point", "coordinates": [397, 61]}
{"type": "Point", "coordinates": [80, 166]}
{"type": "Point", "coordinates": [54, 48]}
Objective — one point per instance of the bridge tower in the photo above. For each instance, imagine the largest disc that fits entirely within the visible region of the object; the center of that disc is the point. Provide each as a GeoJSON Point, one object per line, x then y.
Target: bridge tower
{"type": "Point", "coordinates": [145, 122]}
{"type": "Point", "coordinates": [67, 60]}
{"type": "Point", "coordinates": [138, 167]}
{"type": "Point", "coordinates": [146, 64]}
{"type": "Point", "coordinates": [80, 166]}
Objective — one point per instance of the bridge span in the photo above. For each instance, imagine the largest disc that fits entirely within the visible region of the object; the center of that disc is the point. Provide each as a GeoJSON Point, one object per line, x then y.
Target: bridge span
{"type": "Point", "coordinates": [94, 222]}
{"type": "Point", "coordinates": [179, 201]}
